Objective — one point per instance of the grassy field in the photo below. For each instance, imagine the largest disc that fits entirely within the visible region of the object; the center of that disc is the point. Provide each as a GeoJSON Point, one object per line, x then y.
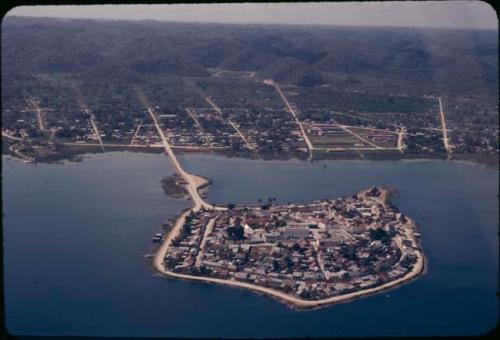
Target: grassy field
{"type": "Point", "coordinates": [336, 142]}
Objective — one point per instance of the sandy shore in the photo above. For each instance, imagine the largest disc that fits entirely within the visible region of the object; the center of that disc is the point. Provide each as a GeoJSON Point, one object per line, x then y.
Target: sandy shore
{"type": "Point", "coordinates": [200, 182]}
{"type": "Point", "coordinates": [290, 300]}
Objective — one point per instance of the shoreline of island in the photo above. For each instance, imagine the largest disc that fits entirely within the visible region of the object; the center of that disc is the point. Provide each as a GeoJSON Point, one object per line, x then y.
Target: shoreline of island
{"type": "Point", "coordinates": [289, 300]}
{"type": "Point", "coordinates": [300, 304]}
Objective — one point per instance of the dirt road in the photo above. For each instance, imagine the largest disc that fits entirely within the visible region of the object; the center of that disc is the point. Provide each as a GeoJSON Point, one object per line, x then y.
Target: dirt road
{"type": "Point", "coordinates": [217, 109]}
{"type": "Point", "coordinates": [401, 134]}
{"type": "Point", "coordinates": [208, 231]}
{"type": "Point", "coordinates": [135, 133]}
{"type": "Point", "coordinates": [364, 140]}
{"type": "Point", "coordinates": [96, 130]}
{"type": "Point", "coordinates": [292, 111]}
{"type": "Point", "coordinates": [86, 109]}
{"type": "Point", "coordinates": [233, 124]}
{"type": "Point", "coordinates": [443, 127]}
{"type": "Point", "coordinates": [6, 135]}
{"type": "Point", "coordinates": [38, 110]}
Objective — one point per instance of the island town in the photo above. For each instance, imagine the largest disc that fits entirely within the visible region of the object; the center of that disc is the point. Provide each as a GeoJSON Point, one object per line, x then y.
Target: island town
{"type": "Point", "coordinates": [310, 252]}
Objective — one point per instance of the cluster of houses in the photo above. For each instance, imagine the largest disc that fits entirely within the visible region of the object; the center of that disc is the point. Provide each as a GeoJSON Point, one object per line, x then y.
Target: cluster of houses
{"type": "Point", "coordinates": [473, 138]}
{"type": "Point", "coordinates": [311, 251]}
{"type": "Point", "coordinates": [270, 129]}
{"type": "Point", "coordinates": [213, 131]}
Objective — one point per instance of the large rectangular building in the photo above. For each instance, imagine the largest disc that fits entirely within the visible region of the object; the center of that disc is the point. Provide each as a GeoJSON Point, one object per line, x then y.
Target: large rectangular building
{"type": "Point", "coordinates": [295, 232]}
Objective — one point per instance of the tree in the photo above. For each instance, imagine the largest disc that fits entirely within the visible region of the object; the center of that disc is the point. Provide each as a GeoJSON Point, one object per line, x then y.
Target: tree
{"type": "Point", "coordinates": [374, 192]}
{"type": "Point", "coordinates": [296, 247]}
{"type": "Point", "coordinates": [380, 234]}
{"type": "Point", "coordinates": [205, 271]}
{"type": "Point", "coordinates": [176, 242]}
{"type": "Point", "coordinates": [237, 221]}
{"type": "Point", "coordinates": [305, 294]}
{"type": "Point", "coordinates": [235, 233]}
{"type": "Point", "coordinates": [186, 228]}
{"type": "Point", "coordinates": [276, 266]}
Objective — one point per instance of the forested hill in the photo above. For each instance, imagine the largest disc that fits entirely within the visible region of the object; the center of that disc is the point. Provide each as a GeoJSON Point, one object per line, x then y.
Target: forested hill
{"type": "Point", "coordinates": [373, 59]}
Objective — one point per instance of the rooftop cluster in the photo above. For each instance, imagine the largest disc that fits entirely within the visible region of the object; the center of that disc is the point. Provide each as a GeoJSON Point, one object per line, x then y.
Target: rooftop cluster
{"type": "Point", "coordinates": [311, 251]}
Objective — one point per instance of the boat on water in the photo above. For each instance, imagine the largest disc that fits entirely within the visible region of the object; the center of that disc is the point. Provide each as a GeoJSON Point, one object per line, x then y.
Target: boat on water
{"type": "Point", "coordinates": [157, 237]}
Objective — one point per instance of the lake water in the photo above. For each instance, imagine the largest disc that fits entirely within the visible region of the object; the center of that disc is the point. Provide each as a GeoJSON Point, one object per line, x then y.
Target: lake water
{"type": "Point", "coordinates": [75, 236]}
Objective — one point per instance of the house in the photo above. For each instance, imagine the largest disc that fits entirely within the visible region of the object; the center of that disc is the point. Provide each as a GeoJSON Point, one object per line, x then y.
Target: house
{"type": "Point", "coordinates": [241, 276]}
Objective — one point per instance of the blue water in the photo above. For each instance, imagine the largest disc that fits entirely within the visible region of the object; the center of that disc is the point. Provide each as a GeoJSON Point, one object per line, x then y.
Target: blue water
{"type": "Point", "coordinates": [75, 234]}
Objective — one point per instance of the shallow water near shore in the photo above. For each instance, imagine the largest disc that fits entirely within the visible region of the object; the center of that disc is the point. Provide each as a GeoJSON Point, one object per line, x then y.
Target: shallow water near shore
{"type": "Point", "coordinates": [75, 235]}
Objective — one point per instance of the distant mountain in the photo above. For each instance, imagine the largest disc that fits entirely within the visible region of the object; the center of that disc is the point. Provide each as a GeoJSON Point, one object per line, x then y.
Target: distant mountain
{"type": "Point", "coordinates": [292, 70]}
{"type": "Point", "coordinates": [213, 54]}
{"type": "Point", "coordinates": [248, 60]}
{"type": "Point", "coordinates": [59, 48]}
{"type": "Point", "coordinates": [269, 50]}
{"type": "Point", "coordinates": [389, 59]}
